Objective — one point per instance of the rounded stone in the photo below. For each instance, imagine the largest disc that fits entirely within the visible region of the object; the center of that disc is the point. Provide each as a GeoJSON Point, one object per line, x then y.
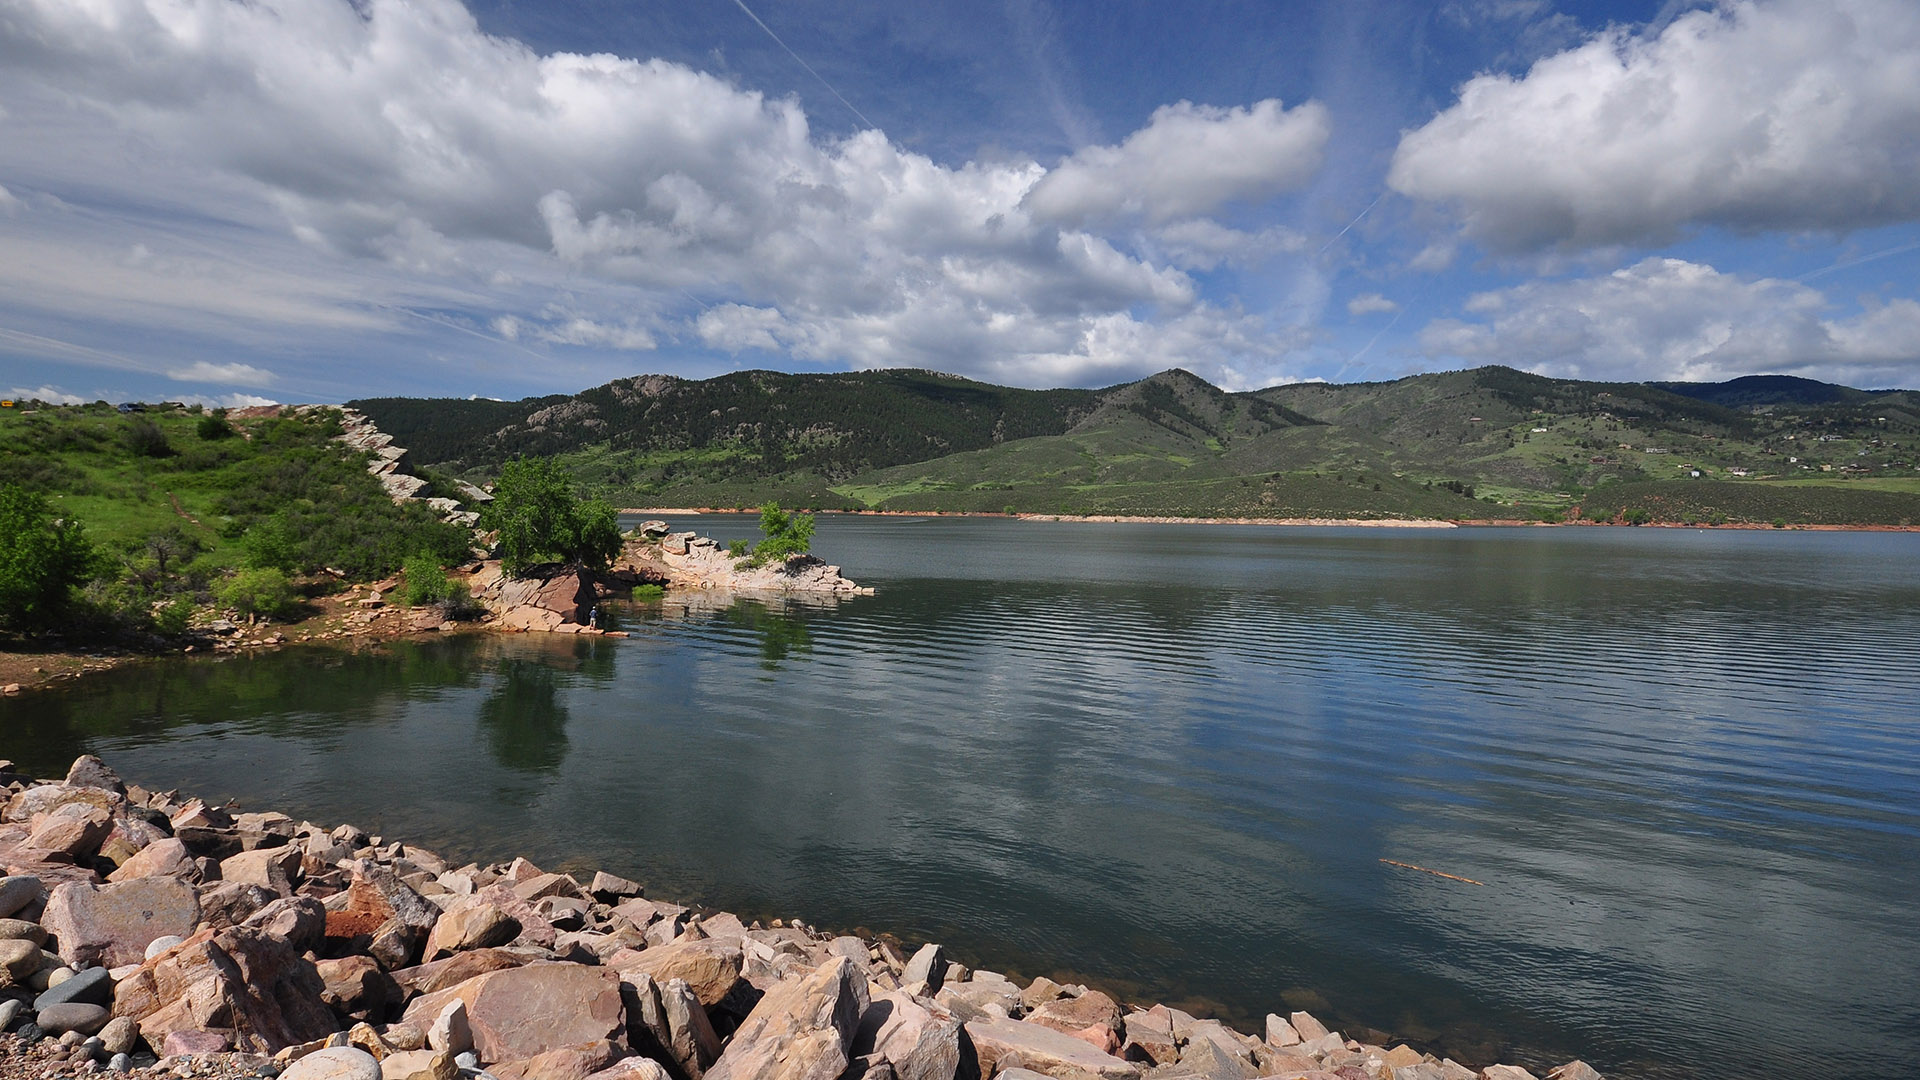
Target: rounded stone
{"type": "Point", "coordinates": [162, 944]}
{"type": "Point", "coordinates": [56, 976]}
{"type": "Point", "coordinates": [334, 1063]}
{"type": "Point", "coordinates": [16, 893]}
{"type": "Point", "coordinates": [120, 1063]}
{"type": "Point", "coordinates": [19, 958]}
{"type": "Point", "coordinates": [73, 1017]}
{"type": "Point", "coordinates": [22, 930]}
{"type": "Point", "coordinates": [120, 1035]}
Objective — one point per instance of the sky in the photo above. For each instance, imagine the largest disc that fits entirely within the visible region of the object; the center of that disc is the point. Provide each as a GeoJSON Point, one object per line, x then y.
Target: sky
{"type": "Point", "coordinates": [241, 201]}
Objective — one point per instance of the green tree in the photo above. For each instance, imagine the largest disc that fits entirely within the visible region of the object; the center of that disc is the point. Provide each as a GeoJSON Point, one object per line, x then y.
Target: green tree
{"type": "Point", "coordinates": [426, 580]}
{"type": "Point", "coordinates": [42, 559]}
{"type": "Point", "coordinates": [539, 518]}
{"type": "Point", "coordinates": [214, 426]}
{"type": "Point", "coordinates": [786, 534]}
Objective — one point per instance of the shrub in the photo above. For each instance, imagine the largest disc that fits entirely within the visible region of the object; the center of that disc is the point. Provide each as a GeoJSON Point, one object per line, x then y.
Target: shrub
{"type": "Point", "coordinates": [426, 580]}
{"type": "Point", "coordinates": [214, 426]}
{"type": "Point", "coordinates": [739, 548]}
{"type": "Point", "coordinates": [42, 559]}
{"type": "Point", "coordinates": [261, 591]}
{"type": "Point", "coordinates": [145, 439]}
{"type": "Point", "coordinates": [171, 618]}
{"type": "Point", "coordinates": [649, 594]}
{"type": "Point", "coordinates": [786, 534]}
{"type": "Point", "coordinates": [459, 604]}
{"type": "Point", "coordinates": [1635, 516]}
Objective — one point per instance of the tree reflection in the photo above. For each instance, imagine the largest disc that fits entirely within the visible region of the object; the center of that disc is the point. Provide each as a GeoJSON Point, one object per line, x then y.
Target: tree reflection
{"type": "Point", "coordinates": [523, 720]}
{"type": "Point", "coordinates": [781, 634]}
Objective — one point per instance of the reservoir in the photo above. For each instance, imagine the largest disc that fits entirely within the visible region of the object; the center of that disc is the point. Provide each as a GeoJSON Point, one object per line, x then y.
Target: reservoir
{"type": "Point", "coordinates": [1680, 769]}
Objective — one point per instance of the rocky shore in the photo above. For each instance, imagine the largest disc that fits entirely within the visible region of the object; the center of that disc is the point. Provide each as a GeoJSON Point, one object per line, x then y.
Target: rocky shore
{"type": "Point", "coordinates": [152, 934]}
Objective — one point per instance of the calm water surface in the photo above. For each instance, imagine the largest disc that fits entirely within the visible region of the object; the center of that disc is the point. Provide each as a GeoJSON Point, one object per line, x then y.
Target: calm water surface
{"type": "Point", "coordinates": [1169, 759]}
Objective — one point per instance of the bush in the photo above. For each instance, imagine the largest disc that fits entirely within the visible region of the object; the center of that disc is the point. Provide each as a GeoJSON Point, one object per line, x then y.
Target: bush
{"type": "Point", "coordinates": [172, 618]}
{"type": "Point", "coordinates": [214, 426]}
{"type": "Point", "coordinates": [1634, 515]}
{"type": "Point", "coordinates": [145, 439]}
{"type": "Point", "coordinates": [649, 594]}
{"type": "Point", "coordinates": [426, 581]}
{"type": "Point", "coordinates": [42, 560]}
{"type": "Point", "coordinates": [786, 534]}
{"type": "Point", "coordinates": [538, 518]}
{"type": "Point", "coordinates": [459, 604]}
{"type": "Point", "coordinates": [740, 547]}
{"type": "Point", "coordinates": [262, 591]}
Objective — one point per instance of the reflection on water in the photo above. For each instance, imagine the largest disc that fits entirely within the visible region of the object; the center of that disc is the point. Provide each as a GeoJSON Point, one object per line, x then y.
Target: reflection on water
{"type": "Point", "coordinates": [1169, 760]}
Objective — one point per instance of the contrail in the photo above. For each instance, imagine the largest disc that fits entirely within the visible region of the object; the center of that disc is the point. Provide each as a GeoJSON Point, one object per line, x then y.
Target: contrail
{"type": "Point", "coordinates": [741, 4]}
{"type": "Point", "coordinates": [1350, 224]}
{"type": "Point", "coordinates": [1377, 334]}
{"type": "Point", "coordinates": [86, 354]}
{"type": "Point", "coordinates": [1888, 253]}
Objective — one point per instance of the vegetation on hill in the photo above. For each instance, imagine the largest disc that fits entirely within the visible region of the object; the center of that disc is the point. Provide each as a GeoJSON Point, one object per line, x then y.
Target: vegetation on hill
{"type": "Point", "coordinates": [177, 502]}
{"type": "Point", "coordinates": [1528, 446]}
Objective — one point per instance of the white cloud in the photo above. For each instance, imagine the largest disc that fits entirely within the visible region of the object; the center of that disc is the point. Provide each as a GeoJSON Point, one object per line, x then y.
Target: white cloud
{"type": "Point", "coordinates": [1371, 304]}
{"type": "Point", "coordinates": [9, 202]}
{"type": "Point", "coordinates": [237, 374]}
{"type": "Point", "coordinates": [1758, 114]}
{"type": "Point", "coordinates": [1203, 244]}
{"type": "Point", "coordinates": [405, 151]}
{"type": "Point", "coordinates": [1189, 160]}
{"type": "Point", "coordinates": [51, 394]}
{"type": "Point", "coordinates": [1672, 319]}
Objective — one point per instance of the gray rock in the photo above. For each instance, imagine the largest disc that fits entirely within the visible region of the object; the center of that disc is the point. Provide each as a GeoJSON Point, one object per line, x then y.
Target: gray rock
{"type": "Point", "coordinates": [17, 892]}
{"type": "Point", "coordinates": [72, 1016]}
{"type": "Point", "coordinates": [929, 966]}
{"type": "Point", "coordinates": [90, 771]}
{"type": "Point", "coordinates": [162, 944]}
{"type": "Point", "coordinates": [10, 1011]}
{"type": "Point", "coordinates": [120, 1063]}
{"type": "Point", "coordinates": [93, 986]}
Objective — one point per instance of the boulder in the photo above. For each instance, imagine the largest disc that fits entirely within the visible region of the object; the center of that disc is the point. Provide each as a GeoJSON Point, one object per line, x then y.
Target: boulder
{"type": "Point", "coordinates": [535, 930]}
{"type": "Point", "coordinates": [301, 920]}
{"type": "Point", "coordinates": [73, 831]}
{"type": "Point", "coordinates": [19, 961]}
{"type": "Point", "coordinates": [382, 917]}
{"type": "Point", "coordinates": [919, 1043]}
{"type": "Point", "coordinates": [611, 888]}
{"type": "Point", "coordinates": [275, 869]}
{"type": "Point", "coordinates": [526, 1011]}
{"type": "Point", "coordinates": [90, 771]}
{"type": "Point", "coordinates": [710, 967]}
{"type": "Point", "coordinates": [72, 1016]}
{"type": "Point", "coordinates": [231, 903]}
{"type": "Point", "coordinates": [18, 892]}
{"type": "Point", "coordinates": [1574, 1070]}
{"type": "Point", "coordinates": [801, 1030]}
{"type": "Point", "coordinates": [1280, 1033]}
{"type": "Point", "coordinates": [633, 1068]}
{"type": "Point", "coordinates": [240, 982]}
{"type": "Point", "coordinates": [545, 885]}
{"type": "Point", "coordinates": [565, 1063]}
{"type": "Point", "coordinates": [477, 926]}
{"type": "Point", "coordinates": [458, 968]}
{"type": "Point", "coordinates": [1002, 1044]}
{"type": "Point", "coordinates": [22, 930]}
{"type": "Point", "coordinates": [418, 1065]}
{"type": "Point", "coordinates": [928, 966]}
{"type": "Point", "coordinates": [119, 1036]}
{"type": "Point", "coordinates": [449, 1031]}
{"type": "Point", "coordinates": [1505, 1072]}
{"type": "Point", "coordinates": [46, 798]}
{"type": "Point", "coordinates": [162, 858]}
{"type": "Point", "coordinates": [1307, 1027]}
{"type": "Point", "coordinates": [93, 986]}
{"type": "Point", "coordinates": [690, 1036]}
{"type": "Point", "coordinates": [1076, 1014]}
{"type": "Point", "coordinates": [335, 1063]}
{"type": "Point", "coordinates": [355, 987]}
{"type": "Point", "coordinates": [111, 925]}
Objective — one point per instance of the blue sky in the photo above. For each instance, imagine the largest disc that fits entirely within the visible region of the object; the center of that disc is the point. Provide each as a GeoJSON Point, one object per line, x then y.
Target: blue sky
{"type": "Point", "coordinates": [315, 200]}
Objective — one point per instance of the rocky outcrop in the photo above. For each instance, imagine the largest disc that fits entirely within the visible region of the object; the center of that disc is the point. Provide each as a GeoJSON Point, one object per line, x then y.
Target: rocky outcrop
{"type": "Point", "coordinates": [691, 561]}
{"type": "Point", "coordinates": [316, 961]}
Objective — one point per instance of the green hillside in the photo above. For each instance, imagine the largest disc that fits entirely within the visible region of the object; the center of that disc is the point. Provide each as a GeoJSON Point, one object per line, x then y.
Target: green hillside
{"type": "Point", "coordinates": [1487, 443]}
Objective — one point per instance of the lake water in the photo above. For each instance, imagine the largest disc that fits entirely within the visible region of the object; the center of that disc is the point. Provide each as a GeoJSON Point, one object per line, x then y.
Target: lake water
{"type": "Point", "coordinates": [1168, 760]}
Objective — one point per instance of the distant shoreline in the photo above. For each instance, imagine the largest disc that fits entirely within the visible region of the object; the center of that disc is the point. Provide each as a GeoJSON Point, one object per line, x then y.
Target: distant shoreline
{"type": "Point", "coordinates": [1369, 523]}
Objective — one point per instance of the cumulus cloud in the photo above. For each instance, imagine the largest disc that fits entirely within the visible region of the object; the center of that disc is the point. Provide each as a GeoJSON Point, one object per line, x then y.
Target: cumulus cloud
{"type": "Point", "coordinates": [1189, 160]}
{"type": "Point", "coordinates": [1755, 115]}
{"type": "Point", "coordinates": [1673, 319]}
{"type": "Point", "coordinates": [237, 374]}
{"type": "Point", "coordinates": [395, 133]}
{"type": "Point", "coordinates": [51, 394]}
{"type": "Point", "coordinates": [1371, 304]}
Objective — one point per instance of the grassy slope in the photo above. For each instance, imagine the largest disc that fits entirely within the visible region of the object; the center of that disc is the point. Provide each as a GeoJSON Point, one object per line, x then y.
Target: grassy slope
{"type": "Point", "coordinates": [1174, 444]}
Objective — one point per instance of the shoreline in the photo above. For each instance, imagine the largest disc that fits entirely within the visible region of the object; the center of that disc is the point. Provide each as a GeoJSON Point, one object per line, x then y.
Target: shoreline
{"type": "Point", "coordinates": [265, 942]}
{"type": "Point", "coordinates": [1361, 523]}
